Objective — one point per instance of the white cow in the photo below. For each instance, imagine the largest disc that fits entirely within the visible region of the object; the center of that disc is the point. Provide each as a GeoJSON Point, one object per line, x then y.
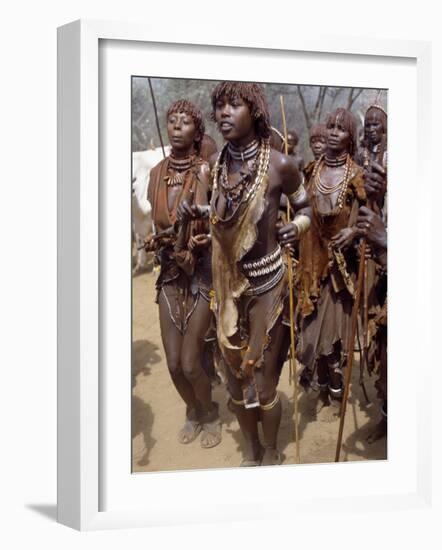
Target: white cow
{"type": "Point", "coordinates": [142, 164]}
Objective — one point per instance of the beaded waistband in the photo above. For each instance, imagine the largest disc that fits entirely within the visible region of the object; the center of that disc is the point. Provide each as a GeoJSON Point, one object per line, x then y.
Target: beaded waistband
{"type": "Point", "coordinates": [268, 284]}
{"type": "Point", "coordinates": [265, 265]}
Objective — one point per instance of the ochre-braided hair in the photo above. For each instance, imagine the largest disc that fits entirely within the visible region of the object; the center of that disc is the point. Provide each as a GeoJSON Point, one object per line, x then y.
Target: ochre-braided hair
{"type": "Point", "coordinates": [318, 131]}
{"type": "Point", "coordinates": [382, 116]}
{"type": "Point", "coordinates": [185, 106]}
{"type": "Point", "coordinates": [294, 135]}
{"type": "Point", "coordinates": [348, 121]}
{"type": "Point", "coordinates": [253, 95]}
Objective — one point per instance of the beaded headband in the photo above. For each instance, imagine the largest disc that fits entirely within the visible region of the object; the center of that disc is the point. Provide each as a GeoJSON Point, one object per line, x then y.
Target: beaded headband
{"type": "Point", "coordinates": [379, 107]}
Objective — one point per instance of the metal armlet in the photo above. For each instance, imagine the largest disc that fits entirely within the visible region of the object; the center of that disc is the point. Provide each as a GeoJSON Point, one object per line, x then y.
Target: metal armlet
{"type": "Point", "coordinates": [302, 223]}
{"type": "Point", "coordinates": [298, 198]}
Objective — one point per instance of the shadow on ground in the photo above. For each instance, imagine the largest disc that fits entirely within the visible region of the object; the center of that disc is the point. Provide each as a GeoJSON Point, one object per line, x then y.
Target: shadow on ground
{"type": "Point", "coordinates": [142, 422]}
{"type": "Point", "coordinates": [144, 355]}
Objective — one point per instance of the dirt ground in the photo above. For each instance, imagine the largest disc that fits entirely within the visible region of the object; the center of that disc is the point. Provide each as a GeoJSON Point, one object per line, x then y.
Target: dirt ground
{"type": "Point", "coordinates": [158, 412]}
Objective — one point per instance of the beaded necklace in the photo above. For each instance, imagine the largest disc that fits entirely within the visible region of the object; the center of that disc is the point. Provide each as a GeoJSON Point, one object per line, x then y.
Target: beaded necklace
{"type": "Point", "coordinates": [180, 164]}
{"type": "Point", "coordinates": [239, 193]}
{"type": "Point", "coordinates": [233, 189]}
{"type": "Point", "coordinates": [243, 153]}
{"type": "Point", "coordinates": [338, 161]}
{"type": "Point", "coordinates": [342, 185]}
{"type": "Point", "coordinates": [179, 167]}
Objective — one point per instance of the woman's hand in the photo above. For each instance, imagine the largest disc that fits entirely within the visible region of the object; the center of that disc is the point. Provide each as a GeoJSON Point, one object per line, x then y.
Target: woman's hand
{"type": "Point", "coordinates": [201, 240]}
{"type": "Point", "coordinates": [149, 244]}
{"type": "Point", "coordinates": [185, 211]}
{"type": "Point", "coordinates": [375, 181]}
{"type": "Point", "coordinates": [288, 234]}
{"type": "Point", "coordinates": [371, 226]}
{"type": "Point", "coordinates": [344, 238]}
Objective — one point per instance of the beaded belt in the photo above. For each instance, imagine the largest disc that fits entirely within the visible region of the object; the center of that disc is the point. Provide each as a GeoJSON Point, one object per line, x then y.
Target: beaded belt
{"type": "Point", "coordinates": [270, 268]}
{"type": "Point", "coordinates": [268, 284]}
{"type": "Point", "coordinates": [264, 265]}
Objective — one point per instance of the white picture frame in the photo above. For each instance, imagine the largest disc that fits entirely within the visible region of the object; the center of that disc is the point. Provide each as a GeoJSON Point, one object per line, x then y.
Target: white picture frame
{"type": "Point", "coordinates": [80, 296]}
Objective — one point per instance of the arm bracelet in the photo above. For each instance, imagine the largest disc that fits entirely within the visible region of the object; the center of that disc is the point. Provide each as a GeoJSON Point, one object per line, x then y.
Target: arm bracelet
{"type": "Point", "coordinates": [302, 223]}
{"type": "Point", "coordinates": [298, 197]}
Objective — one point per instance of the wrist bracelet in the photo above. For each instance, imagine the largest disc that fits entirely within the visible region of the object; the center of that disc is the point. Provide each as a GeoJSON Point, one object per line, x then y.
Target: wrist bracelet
{"type": "Point", "coordinates": [302, 223]}
{"type": "Point", "coordinates": [299, 194]}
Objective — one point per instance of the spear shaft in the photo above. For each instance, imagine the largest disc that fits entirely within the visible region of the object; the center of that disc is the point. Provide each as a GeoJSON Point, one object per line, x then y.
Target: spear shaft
{"type": "Point", "coordinates": [156, 115]}
{"type": "Point", "coordinates": [350, 347]}
{"type": "Point", "coordinates": [292, 363]}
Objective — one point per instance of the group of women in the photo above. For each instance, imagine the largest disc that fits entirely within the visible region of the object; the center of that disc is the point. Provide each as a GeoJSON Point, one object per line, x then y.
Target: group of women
{"type": "Point", "coordinates": [225, 246]}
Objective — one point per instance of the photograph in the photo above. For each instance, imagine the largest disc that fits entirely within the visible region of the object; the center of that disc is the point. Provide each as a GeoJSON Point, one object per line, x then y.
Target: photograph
{"type": "Point", "coordinates": [259, 274]}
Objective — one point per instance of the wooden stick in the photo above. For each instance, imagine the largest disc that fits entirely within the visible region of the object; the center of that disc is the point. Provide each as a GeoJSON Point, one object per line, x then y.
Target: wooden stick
{"type": "Point", "coordinates": [350, 348]}
{"type": "Point", "coordinates": [156, 116]}
{"type": "Point", "coordinates": [292, 363]}
{"type": "Point", "coordinates": [289, 258]}
{"type": "Point", "coordinates": [284, 126]}
{"type": "Point", "coordinates": [364, 362]}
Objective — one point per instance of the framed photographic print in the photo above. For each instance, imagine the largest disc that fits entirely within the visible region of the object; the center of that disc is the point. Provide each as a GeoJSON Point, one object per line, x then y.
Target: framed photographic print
{"type": "Point", "coordinates": [178, 329]}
